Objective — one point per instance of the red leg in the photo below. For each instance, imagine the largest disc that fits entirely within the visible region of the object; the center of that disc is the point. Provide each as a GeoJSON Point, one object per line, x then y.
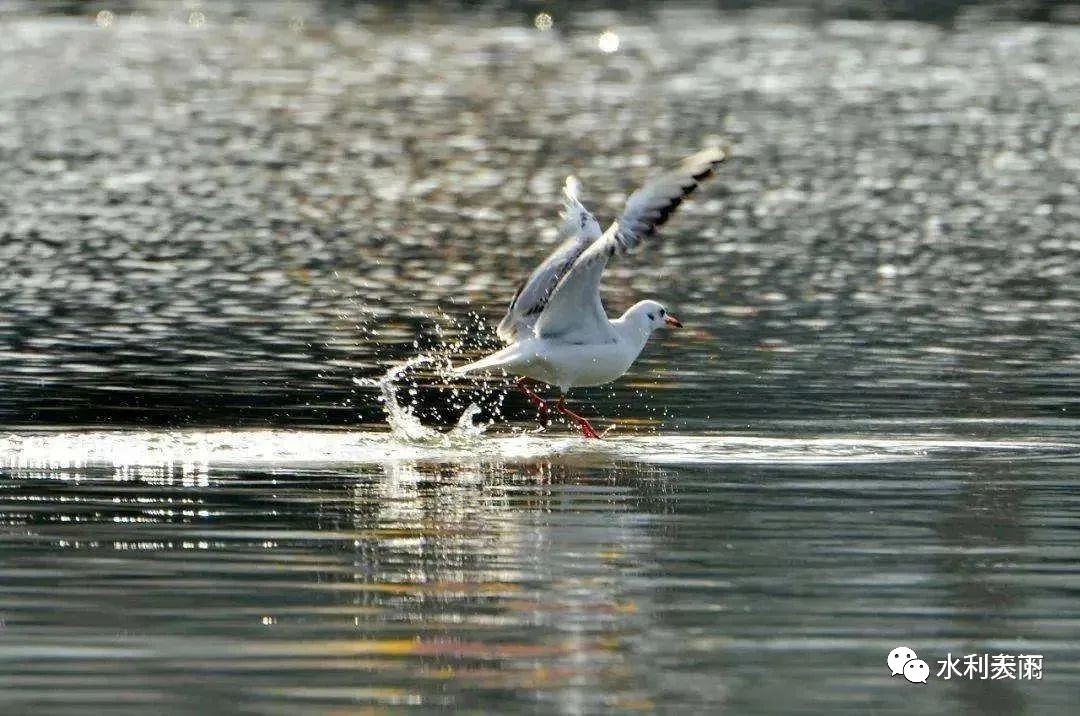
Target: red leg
{"type": "Point", "coordinates": [586, 429]}
{"type": "Point", "coordinates": [540, 403]}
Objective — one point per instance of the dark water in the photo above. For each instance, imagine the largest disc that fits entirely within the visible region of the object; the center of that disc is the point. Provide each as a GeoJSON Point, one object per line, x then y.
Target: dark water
{"type": "Point", "coordinates": [212, 222]}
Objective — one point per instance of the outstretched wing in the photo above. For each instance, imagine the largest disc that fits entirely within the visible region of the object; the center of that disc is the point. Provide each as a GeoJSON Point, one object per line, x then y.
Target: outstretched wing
{"type": "Point", "coordinates": [574, 311]}
{"type": "Point", "coordinates": [579, 229]}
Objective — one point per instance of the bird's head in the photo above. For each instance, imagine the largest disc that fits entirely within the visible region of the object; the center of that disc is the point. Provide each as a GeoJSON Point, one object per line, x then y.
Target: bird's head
{"type": "Point", "coordinates": [651, 315]}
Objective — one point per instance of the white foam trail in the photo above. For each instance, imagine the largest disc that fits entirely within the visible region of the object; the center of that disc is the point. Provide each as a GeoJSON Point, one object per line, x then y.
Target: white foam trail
{"type": "Point", "coordinates": [194, 452]}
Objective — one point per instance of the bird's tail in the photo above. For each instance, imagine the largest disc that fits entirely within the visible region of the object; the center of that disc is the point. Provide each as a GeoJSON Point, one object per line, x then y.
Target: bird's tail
{"type": "Point", "coordinates": [476, 367]}
{"type": "Point", "coordinates": [497, 359]}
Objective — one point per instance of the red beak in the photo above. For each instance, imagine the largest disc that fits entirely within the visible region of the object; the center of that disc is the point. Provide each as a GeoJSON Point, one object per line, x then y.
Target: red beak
{"type": "Point", "coordinates": [673, 322]}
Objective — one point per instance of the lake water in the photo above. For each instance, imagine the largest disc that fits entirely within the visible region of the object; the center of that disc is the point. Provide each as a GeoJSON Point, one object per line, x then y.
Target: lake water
{"type": "Point", "coordinates": [220, 230]}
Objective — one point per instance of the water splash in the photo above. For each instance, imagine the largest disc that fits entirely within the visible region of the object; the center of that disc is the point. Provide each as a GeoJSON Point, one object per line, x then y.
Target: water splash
{"type": "Point", "coordinates": [404, 424]}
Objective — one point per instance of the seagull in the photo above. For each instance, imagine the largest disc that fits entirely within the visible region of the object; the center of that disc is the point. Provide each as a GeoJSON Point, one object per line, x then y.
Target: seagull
{"type": "Point", "coordinates": [556, 329]}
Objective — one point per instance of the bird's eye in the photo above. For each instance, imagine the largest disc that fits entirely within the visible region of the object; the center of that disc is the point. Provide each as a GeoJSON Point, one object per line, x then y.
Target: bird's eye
{"type": "Point", "coordinates": [662, 311]}
{"type": "Point", "coordinates": [651, 316]}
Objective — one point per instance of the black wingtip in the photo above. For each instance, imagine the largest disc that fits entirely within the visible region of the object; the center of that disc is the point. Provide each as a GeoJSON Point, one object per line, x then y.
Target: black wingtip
{"type": "Point", "coordinates": [703, 165]}
{"type": "Point", "coordinates": [709, 158]}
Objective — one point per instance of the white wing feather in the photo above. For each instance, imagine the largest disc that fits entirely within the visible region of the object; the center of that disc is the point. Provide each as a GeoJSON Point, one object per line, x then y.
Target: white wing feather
{"type": "Point", "coordinates": [578, 231]}
{"type": "Point", "coordinates": [574, 311]}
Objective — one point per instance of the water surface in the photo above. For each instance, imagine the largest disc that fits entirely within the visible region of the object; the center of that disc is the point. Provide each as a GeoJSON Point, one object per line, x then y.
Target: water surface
{"type": "Point", "coordinates": [318, 571]}
{"type": "Point", "coordinates": [221, 226]}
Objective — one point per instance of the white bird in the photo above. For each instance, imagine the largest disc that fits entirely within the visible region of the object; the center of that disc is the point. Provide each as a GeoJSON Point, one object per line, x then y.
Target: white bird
{"type": "Point", "coordinates": [556, 328]}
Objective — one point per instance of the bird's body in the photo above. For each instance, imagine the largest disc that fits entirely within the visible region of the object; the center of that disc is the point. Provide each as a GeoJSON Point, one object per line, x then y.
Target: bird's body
{"type": "Point", "coordinates": [556, 328]}
{"type": "Point", "coordinates": [577, 364]}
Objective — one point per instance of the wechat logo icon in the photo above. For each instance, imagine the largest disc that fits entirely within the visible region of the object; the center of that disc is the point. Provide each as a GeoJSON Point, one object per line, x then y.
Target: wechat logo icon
{"type": "Point", "coordinates": [903, 661]}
